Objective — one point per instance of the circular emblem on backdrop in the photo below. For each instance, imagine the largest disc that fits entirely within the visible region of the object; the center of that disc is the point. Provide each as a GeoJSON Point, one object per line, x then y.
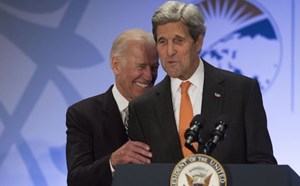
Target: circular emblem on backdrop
{"type": "Point", "coordinates": [242, 37]}
{"type": "Point", "coordinates": [198, 170]}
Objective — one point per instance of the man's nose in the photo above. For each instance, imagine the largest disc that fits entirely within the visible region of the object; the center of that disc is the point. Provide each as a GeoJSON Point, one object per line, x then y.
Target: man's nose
{"type": "Point", "coordinates": [148, 74]}
{"type": "Point", "coordinates": [170, 49]}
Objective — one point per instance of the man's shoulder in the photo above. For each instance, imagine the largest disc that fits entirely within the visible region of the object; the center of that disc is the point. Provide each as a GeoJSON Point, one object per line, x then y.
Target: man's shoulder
{"type": "Point", "coordinates": [235, 81]}
{"type": "Point", "coordinates": [151, 94]}
{"type": "Point", "coordinates": [226, 73]}
{"type": "Point", "coordinates": [87, 100]}
{"type": "Point", "coordinates": [96, 100]}
{"type": "Point", "coordinates": [228, 77]}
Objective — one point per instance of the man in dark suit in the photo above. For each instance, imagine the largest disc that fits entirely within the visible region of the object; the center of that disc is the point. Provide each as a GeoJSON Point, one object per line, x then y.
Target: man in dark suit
{"type": "Point", "coordinates": [97, 138]}
{"type": "Point", "coordinates": [155, 117]}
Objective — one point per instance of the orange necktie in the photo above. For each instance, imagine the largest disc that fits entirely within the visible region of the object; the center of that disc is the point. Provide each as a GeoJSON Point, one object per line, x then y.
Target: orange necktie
{"type": "Point", "coordinates": [185, 116]}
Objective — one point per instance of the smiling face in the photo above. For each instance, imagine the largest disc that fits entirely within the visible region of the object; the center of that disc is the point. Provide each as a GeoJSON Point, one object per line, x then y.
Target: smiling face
{"type": "Point", "coordinates": [136, 71]}
{"type": "Point", "coordinates": [177, 50]}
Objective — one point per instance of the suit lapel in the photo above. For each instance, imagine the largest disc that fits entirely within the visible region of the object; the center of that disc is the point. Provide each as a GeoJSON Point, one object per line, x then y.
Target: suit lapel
{"type": "Point", "coordinates": [213, 96]}
{"type": "Point", "coordinates": [113, 120]}
{"type": "Point", "coordinates": [164, 104]}
{"type": "Point", "coordinates": [166, 118]}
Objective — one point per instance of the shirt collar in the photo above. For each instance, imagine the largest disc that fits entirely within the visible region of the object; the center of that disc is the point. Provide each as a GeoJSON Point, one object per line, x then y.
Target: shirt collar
{"type": "Point", "coordinates": [196, 79]}
{"type": "Point", "coordinates": [122, 102]}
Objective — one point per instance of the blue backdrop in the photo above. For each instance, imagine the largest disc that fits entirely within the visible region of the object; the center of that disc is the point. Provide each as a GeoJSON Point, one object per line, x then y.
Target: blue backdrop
{"type": "Point", "coordinates": [56, 52]}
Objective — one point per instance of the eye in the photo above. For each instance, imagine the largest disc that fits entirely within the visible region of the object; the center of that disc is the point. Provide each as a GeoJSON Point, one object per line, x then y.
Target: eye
{"type": "Point", "coordinates": [161, 41]}
{"type": "Point", "coordinates": [178, 40]}
{"type": "Point", "coordinates": [141, 66]}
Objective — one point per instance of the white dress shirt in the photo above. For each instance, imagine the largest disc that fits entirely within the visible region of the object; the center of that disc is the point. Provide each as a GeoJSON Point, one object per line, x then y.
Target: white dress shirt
{"type": "Point", "coordinates": [122, 103]}
{"type": "Point", "coordinates": [195, 92]}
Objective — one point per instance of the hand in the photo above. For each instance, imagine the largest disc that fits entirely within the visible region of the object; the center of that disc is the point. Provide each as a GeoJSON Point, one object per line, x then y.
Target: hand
{"type": "Point", "coordinates": [132, 152]}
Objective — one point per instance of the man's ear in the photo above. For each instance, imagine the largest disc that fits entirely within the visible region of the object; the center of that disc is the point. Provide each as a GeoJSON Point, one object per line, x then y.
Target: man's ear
{"type": "Point", "coordinates": [199, 43]}
{"type": "Point", "coordinates": [115, 65]}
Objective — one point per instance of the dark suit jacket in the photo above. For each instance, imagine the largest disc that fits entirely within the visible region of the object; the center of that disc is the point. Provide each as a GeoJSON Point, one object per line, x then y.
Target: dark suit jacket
{"type": "Point", "coordinates": [151, 119]}
{"type": "Point", "coordinates": [94, 130]}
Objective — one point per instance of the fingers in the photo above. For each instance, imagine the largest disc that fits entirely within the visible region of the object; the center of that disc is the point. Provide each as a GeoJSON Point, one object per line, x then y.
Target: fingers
{"type": "Point", "coordinates": [140, 148]}
{"type": "Point", "coordinates": [140, 144]}
{"type": "Point", "coordinates": [132, 152]}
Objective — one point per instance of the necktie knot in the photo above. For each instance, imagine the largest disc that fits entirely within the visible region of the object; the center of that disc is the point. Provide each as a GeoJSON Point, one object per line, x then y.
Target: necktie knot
{"type": "Point", "coordinates": [185, 86]}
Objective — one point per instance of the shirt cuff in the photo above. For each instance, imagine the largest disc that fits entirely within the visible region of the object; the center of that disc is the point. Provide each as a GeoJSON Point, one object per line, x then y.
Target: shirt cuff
{"type": "Point", "coordinates": [111, 167]}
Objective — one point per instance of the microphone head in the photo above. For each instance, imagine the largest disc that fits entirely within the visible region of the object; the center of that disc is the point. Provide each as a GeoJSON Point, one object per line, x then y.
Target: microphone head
{"type": "Point", "coordinates": [220, 127]}
{"type": "Point", "coordinates": [197, 120]}
{"type": "Point", "coordinates": [222, 119]}
{"type": "Point", "coordinates": [192, 133]}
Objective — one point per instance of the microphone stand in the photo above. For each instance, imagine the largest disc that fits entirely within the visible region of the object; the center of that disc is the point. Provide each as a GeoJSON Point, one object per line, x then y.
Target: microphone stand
{"type": "Point", "coordinates": [200, 144]}
{"type": "Point", "coordinates": [191, 148]}
{"type": "Point", "coordinates": [209, 147]}
{"type": "Point", "coordinates": [200, 149]}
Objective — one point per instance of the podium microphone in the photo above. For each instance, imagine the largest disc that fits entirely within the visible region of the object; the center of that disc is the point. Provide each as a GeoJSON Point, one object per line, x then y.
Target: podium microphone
{"type": "Point", "coordinates": [216, 136]}
{"type": "Point", "coordinates": [191, 135]}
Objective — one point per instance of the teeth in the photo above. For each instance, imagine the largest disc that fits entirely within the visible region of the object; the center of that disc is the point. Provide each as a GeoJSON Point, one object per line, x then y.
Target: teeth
{"type": "Point", "coordinates": [142, 85]}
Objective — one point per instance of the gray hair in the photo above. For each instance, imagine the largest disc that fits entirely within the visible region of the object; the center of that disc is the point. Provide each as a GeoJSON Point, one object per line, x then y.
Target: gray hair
{"type": "Point", "coordinates": [121, 43]}
{"type": "Point", "coordinates": [173, 11]}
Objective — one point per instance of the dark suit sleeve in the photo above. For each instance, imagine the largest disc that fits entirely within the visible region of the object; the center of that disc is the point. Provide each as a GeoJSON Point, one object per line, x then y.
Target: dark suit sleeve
{"type": "Point", "coordinates": [259, 146]}
{"type": "Point", "coordinates": [83, 168]}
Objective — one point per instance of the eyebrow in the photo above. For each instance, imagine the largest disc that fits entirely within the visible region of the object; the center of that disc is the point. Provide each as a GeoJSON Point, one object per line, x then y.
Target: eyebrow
{"type": "Point", "coordinates": [176, 36]}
